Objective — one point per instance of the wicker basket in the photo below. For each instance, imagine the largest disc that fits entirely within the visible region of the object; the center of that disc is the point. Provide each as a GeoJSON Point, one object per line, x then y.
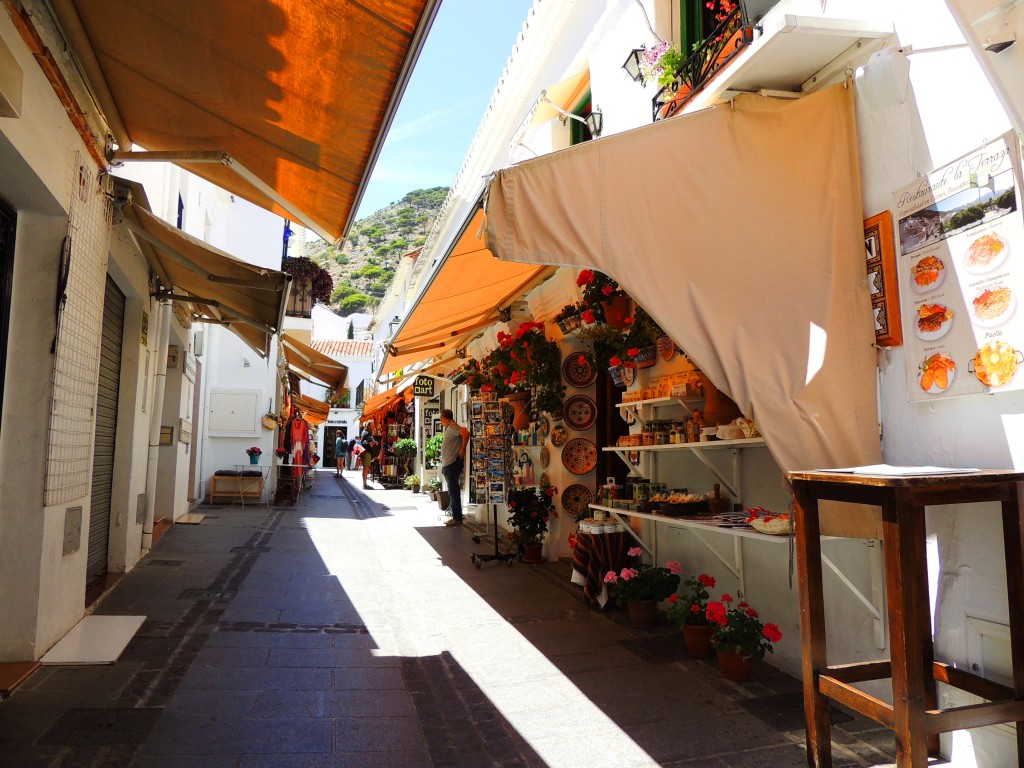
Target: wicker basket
{"type": "Point", "coordinates": [774, 527]}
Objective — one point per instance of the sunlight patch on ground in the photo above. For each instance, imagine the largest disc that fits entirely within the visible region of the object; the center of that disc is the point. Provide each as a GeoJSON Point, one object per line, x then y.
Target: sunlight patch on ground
{"type": "Point", "coordinates": [414, 605]}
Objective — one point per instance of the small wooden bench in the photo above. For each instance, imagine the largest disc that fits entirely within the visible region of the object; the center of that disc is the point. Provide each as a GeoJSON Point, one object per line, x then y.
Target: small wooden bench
{"type": "Point", "coordinates": [235, 488]}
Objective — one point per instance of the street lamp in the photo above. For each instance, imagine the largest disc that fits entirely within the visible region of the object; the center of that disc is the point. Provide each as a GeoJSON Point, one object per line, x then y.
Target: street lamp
{"type": "Point", "coordinates": [595, 121]}
{"type": "Point", "coordinates": [632, 65]}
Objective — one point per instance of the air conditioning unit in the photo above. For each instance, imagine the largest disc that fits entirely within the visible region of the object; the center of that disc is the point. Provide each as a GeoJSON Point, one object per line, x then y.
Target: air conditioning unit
{"type": "Point", "coordinates": [197, 343]}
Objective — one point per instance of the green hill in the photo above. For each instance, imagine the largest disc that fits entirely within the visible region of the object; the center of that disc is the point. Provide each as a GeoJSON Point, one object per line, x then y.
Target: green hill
{"type": "Point", "coordinates": [364, 265]}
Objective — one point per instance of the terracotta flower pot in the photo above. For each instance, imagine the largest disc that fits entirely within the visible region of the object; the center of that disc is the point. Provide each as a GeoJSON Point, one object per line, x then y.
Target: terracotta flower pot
{"type": "Point", "coordinates": [616, 310]}
{"type": "Point", "coordinates": [643, 614]}
{"type": "Point", "coordinates": [520, 402]}
{"type": "Point", "coordinates": [697, 638]}
{"type": "Point", "coordinates": [532, 553]}
{"type": "Point", "coordinates": [734, 666]}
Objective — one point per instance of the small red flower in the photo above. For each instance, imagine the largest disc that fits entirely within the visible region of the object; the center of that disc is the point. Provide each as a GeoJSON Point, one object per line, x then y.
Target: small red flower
{"type": "Point", "coordinates": [586, 277]}
{"type": "Point", "coordinates": [716, 613]}
{"type": "Point", "coordinates": [607, 290]}
{"type": "Point", "coordinates": [695, 608]}
{"type": "Point", "coordinates": [751, 613]}
{"type": "Point", "coordinates": [674, 599]}
{"type": "Point", "coordinates": [629, 320]}
{"type": "Point", "coordinates": [742, 604]}
{"type": "Point", "coordinates": [726, 598]}
{"type": "Point", "coordinates": [707, 581]}
{"type": "Point", "coordinates": [772, 633]}
{"type": "Point", "coordinates": [588, 316]}
{"type": "Point", "coordinates": [615, 361]}
{"type": "Point", "coordinates": [632, 351]}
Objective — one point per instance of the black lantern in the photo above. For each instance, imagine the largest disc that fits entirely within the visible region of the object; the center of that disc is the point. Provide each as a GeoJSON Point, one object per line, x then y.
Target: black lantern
{"type": "Point", "coordinates": [393, 325]}
{"type": "Point", "coordinates": [595, 121]}
{"type": "Point", "coordinates": [632, 65]}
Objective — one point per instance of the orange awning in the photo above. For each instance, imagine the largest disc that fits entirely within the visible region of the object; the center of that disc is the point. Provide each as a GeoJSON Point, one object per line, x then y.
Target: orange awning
{"type": "Point", "coordinates": [315, 364]}
{"type": "Point", "coordinates": [466, 294]}
{"type": "Point", "coordinates": [380, 402]}
{"type": "Point", "coordinates": [564, 95]}
{"type": "Point", "coordinates": [298, 94]}
{"type": "Point", "coordinates": [249, 300]}
{"type": "Point", "coordinates": [315, 411]}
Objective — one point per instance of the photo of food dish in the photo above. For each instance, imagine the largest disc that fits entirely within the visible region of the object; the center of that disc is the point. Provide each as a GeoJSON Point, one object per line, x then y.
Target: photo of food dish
{"type": "Point", "coordinates": [985, 253]}
{"type": "Point", "coordinates": [928, 274]}
{"type": "Point", "coordinates": [993, 306]}
{"type": "Point", "coordinates": [937, 373]}
{"type": "Point", "coordinates": [995, 363]}
{"type": "Point", "coordinates": [933, 321]}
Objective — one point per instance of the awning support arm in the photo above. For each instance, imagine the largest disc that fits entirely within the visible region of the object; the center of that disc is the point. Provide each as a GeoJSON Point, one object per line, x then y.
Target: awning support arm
{"type": "Point", "coordinates": [217, 305]}
{"type": "Point", "coordinates": [219, 157]}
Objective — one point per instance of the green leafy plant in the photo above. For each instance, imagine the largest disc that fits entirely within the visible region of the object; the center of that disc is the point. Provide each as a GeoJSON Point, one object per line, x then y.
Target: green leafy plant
{"type": "Point", "coordinates": [529, 511]}
{"type": "Point", "coordinates": [432, 452]}
{"type": "Point", "coordinates": [412, 481]}
{"type": "Point", "coordinates": [405, 448]}
{"type": "Point", "coordinates": [738, 629]}
{"type": "Point", "coordinates": [597, 288]}
{"type": "Point", "coordinates": [433, 484]}
{"type": "Point", "coordinates": [569, 310]}
{"type": "Point", "coordinates": [689, 607]}
{"type": "Point", "coordinates": [643, 581]}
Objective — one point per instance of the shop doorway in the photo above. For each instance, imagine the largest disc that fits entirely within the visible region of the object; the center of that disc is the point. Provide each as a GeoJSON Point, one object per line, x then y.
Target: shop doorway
{"type": "Point", "coordinates": [330, 455]}
{"type": "Point", "coordinates": [610, 426]}
{"type": "Point", "coordinates": [106, 430]}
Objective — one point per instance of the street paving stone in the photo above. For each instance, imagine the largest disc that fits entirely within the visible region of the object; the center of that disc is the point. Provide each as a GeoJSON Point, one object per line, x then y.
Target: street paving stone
{"type": "Point", "coordinates": [360, 635]}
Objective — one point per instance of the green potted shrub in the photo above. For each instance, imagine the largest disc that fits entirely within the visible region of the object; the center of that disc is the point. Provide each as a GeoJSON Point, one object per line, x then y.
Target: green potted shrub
{"type": "Point", "coordinates": [433, 487]}
{"type": "Point", "coordinates": [412, 482]}
{"type": "Point", "coordinates": [405, 451]}
{"type": "Point", "coordinates": [432, 450]}
{"type": "Point", "coordinates": [529, 511]}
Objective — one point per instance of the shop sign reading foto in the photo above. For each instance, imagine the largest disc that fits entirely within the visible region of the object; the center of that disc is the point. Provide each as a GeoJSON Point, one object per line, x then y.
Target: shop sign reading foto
{"type": "Point", "coordinates": [423, 386]}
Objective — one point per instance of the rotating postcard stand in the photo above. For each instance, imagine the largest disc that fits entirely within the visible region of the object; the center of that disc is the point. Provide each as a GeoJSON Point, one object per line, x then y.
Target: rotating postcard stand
{"type": "Point", "coordinates": [492, 463]}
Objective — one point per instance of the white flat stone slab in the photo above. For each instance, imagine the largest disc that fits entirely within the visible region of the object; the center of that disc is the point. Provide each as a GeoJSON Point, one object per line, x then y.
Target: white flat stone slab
{"type": "Point", "coordinates": [95, 640]}
{"type": "Point", "coordinates": [191, 518]}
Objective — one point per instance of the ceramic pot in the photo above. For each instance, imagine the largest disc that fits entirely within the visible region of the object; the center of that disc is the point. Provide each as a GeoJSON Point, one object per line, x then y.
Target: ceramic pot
{"type": "Point", "coordinates": [254, 459]}
{"type": "Point", "coordinates": [520, 402]}
{"type": "Point", "coordinates": [415, 489]}
{"type": "Point", "coordinates": [616, 373]}
{"type": "Point", "coordinates": [532, 553]}
{"type": "Point", "coordinates": [616, 310]}
{"type": "Point", "coordinates": [734, 666]}
{"type": "Point", "coordinates": [697, 638]}
{"type": "Point", "coordinates": [642, 613]}
{"type": "Point", "coordinates": [443, 499]}
{"type": "Point", "coordinates": [718, 407]}
{"type": "Point", "coordinates": [646, 357]}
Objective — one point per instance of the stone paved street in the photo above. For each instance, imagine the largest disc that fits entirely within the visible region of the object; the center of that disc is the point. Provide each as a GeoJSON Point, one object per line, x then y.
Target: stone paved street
{"type": "Point", "coordinates": [353, 630]}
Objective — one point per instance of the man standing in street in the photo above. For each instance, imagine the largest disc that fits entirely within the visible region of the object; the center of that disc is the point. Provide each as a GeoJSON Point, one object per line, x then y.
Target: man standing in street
{"type": "Point", "coordinates": [453, 460]}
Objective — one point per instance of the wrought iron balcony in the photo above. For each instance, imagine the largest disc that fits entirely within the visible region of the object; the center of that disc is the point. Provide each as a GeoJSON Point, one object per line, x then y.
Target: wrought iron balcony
{"type": "Point", "coordinates": [716, 51]}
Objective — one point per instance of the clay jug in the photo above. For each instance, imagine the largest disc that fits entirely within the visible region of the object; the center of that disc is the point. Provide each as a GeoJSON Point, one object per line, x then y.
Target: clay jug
{"type": "Point", "coordinates": [718, 408]}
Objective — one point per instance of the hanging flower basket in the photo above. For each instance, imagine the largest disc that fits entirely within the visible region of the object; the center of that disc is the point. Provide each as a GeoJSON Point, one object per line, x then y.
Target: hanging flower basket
{"type": "Point", "coordinates": [647, 357]}
{"type": "Point", "coordinates": [616, 373]}
{"type": "Point", "coordinates": [570, 324]}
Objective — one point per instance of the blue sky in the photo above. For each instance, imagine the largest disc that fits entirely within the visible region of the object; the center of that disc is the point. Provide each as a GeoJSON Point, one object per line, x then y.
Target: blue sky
{"type": "Point", "coordinates": [462, 59]}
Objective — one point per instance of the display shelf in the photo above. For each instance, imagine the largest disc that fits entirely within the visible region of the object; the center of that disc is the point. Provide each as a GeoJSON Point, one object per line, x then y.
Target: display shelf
{"type": "Point", "coordinates": [701, 525]}
{"type": "Point", "coordinates": [730, 481]}
{"type": "Point", "coordinates": [688, 404]}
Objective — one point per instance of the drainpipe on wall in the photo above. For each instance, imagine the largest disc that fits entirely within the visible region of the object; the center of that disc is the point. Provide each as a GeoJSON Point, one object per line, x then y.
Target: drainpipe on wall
{"type": "Point", "coordinates": [155, 418]}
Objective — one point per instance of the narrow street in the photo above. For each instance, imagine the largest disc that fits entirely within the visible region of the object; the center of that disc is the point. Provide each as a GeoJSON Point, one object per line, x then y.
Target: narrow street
{"type": "Point", "coordinates": [353, 630]}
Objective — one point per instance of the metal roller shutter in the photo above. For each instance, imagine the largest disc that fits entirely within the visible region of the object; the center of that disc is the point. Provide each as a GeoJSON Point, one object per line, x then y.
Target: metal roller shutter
{"type": "Point", "coordinates": [106, 429]}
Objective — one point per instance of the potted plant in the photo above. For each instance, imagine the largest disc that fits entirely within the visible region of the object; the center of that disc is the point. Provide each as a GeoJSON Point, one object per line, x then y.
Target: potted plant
{"type": "Point", "coordinates": [432, 450]}
{"type": "Point", "coordinates": [642, 587]}
{"type": "Point", "coordinates": [610, 347]}
{"type": "Point", "coordinates": [433, 487]}
{"type": "Point", "coordinates": [412, 482]}
{"type": "Point", "coordinates": [641, 339]}
{"type": "Point", "coordinates": [529, 512]}
{"type": "Point", "coordinates": [568, 318]}
{"type": "Point", "coordinates": [660, 63]}
{"type": "Point", "coordinates": [688, 610]}
{"type": "Point", "coordinates": [254, 454]}
{"type": "Point", "coordinates": [604, 300]}
{"type": "Point", "coordinates": [739, 636]}
{"type": "Point", "coordinates": [280, 453]}
{"type": "Point", "coordinates": [405, 451]}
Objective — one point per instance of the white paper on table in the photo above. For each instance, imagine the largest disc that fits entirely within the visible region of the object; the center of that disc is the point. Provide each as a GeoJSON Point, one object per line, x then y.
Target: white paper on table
{"type": "Point", "coordinates": [888, 470]}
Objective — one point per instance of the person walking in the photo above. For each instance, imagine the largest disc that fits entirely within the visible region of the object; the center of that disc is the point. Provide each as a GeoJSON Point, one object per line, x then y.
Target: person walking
{"type": "Point", "coordinates": [366, 457]}
{"type": "Point", "coordinates": [453, 460]}
{"type": "Point", "coordinates": [340, 452]}
{"type": "Point", "coordinates": [355, 457]}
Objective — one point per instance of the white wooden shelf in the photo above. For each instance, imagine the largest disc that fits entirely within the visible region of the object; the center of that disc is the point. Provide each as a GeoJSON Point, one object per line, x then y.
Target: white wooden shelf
{"type": "Point", "coordinates": [700, 525]}
{"type": "Point", "coordinates": [710, 445]}
{"type": "Point", "coordinates": [688, 404]}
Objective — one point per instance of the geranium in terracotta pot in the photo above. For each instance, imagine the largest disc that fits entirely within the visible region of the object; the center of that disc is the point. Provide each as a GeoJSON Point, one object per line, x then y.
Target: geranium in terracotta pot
{"type": "Point", "coordinates": [642, 587]}
{"type": "Point", "coordinates": [739, 636]}
{"type": "Point", "coordinates": [688, 610]}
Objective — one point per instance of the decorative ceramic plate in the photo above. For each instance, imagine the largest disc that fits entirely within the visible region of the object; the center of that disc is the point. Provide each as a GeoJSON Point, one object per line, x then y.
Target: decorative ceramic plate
{"type": "Point", "coordinates": [545, 457]}
{"type": "Point", "coordinates": [559, 435]}
{"type": "Point", "coordinates": [544, 426]}
{"type": "Point", "coordinates": [666, 348]}
{"type": "Point", "coordinates": [628, 375]}
{"type": "Point", "coordinates": [579, 412]}
{"type": "Point", "coordinates": [544, 481]}
{"type": "Point", "coordinates": [576, 498]}
{"type": "Point", "coordinates": [579, 455]}
{"type": "Point", "coordinates": [579, 369]}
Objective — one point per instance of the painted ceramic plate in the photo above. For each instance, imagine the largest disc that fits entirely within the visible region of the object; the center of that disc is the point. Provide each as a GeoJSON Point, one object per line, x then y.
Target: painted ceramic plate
{"type": "Point", "coordinates": [579, 456]}
{"type": "Point", "coordinates": [544, 481]}
{"type": "Point", "coordinates": [628, 375]}
{"type": "Point", "coordinates": [666, 348]}
{"type": "Point", "coordinates": [579, 412]}
{"type": "Point", "coordinates": [545, 457]}
{"type": "Point", "coordinates": [579, 369]}
{"type": "Point", "coordinates": [544, 426]}
{"type": "Point", "coordinates": [559, 435]}
{"type": "Point", "coordinates": [576, 498]}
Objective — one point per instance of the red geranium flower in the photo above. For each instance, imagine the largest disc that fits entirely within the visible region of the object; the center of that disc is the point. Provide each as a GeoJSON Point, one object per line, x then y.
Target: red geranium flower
{"type": "Point", "coordinates": [607, 290]}
{"type": "Point", "coordinates": [772, 633]}
{"type": "Point", "coordinates": [588, 316]}
{"type": "Point", "coordinates": [674, 599]}
{"type": "Point", "coordinates": [751, 613]}
{"type": "Point", "coordinates": [707, 581]}
{"type": "Point", "coordinates": [586, 277]}
{"type": "Point", "coordinates": [628, 320]}
{"type": "Point", "coordinates": [716, 613]}
{"type": "Point", "coordinates": [615, 361]}
{"type": "Point", "coordinates": [727, 598]}
{"type": "Point", "coordinates": [632, 351]}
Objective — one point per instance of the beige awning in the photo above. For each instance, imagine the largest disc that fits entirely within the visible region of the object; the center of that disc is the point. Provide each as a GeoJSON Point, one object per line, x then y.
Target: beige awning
{"type": "Point", "coordinates": [315, 411]}
{"type": "Point", "coordinates": [467, 294]}
{"type": "Point", "coordinates": [740, 230]}
{"type": "Point", "coordinates": [380, 402]}
{"type": "Point", "coordinates": [564, 95]}
{"type": "Point", "coordinates": [298, 93]}
{"type": "Point", "coordinates": [249, 300]}
{"type": "Point", "coordinates": [317, 365]}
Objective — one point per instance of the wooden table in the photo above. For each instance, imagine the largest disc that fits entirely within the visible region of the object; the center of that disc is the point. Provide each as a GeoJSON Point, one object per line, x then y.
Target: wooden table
{"type": "Point", "coordinates": [913, 715]}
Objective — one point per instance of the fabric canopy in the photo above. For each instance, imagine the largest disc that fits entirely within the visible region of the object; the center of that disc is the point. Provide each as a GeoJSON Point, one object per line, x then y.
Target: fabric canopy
{"type": "Point", "coordinates": [315, 411]}
{"type": "Point", "coordinates": [315, 364]}
{"type": "Point", "coordinates": [467, 293]}
{"type": "Point", "coordinates": [563, 95]}
{"type": "Point", "coordinates": [249, 300]}
{"type": "Point", "coordinates": [380, 402]}
{"type": "Point", "coordinates": [298, 92]}
{"type": "Point", "coordinates": [740, 230]}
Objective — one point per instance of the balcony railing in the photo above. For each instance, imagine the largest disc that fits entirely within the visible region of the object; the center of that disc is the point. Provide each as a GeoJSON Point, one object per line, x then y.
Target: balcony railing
{"type": "Point", "coordinates": [300, 299]}
{"type": "Point", "coordinates": [716, 51]}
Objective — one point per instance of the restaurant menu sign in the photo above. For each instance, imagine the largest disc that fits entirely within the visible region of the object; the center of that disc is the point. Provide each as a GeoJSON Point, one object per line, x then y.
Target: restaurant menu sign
{"type": "Point", "coordinates": [961, 267]}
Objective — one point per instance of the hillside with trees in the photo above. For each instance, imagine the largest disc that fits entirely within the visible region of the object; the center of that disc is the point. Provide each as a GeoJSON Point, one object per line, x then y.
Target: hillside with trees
{"type": "Point", "coordinates": [363, 267]}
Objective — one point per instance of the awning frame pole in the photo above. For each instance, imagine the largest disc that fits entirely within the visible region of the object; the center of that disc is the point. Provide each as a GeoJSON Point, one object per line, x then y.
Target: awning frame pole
{"type": "Point", "coordinates": [220, 157]}
{"type": "Point", "coordinates": [217, 305]}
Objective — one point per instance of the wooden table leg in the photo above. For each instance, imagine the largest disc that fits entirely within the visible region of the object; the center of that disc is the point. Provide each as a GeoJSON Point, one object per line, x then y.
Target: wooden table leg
{"type": "Point", "coordinates": [1013, 547]}
{"type": "Point", "coordinates": [907, 598]}
{"type": "Point", "coordinates": [813, 653]}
